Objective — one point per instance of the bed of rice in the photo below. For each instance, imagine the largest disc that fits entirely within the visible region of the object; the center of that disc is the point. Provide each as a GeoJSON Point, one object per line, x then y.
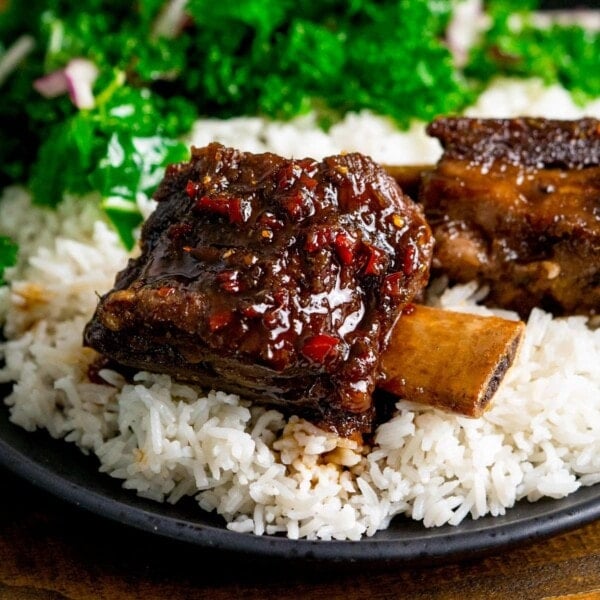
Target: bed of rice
{"type": "Point", "coordinates": [264, 474]}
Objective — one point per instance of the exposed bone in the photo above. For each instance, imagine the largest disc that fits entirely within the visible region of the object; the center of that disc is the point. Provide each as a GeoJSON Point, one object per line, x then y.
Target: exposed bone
{"type": "Point", "coordinates": [450, 360]}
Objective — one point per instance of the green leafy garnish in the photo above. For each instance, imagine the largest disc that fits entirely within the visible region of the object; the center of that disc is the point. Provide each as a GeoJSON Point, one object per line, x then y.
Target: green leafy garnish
{"type": "Point", "coordinates": [514, 46]}
{"type": "Point", "coordinates": [132, 166]}
{"type": "Point", "coordinates": [8, 255]}
{"type": "Point", "coordinates": [119, 149]}
{"type": "Point", "coordinates": [388, 57]}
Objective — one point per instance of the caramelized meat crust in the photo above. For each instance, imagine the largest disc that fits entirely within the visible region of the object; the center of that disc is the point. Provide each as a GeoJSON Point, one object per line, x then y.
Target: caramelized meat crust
{"type": "Point", "coordinates": [522, 142]}
{"type": "Point", "coordinates": [515, 203]}
{"type": "Point", "coordinates": [276, 279]}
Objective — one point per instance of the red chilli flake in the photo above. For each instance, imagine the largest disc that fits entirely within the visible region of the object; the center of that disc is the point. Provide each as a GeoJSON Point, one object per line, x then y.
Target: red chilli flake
{"type": "Point", "coordinates": [287, 176]}
{"type": "Point", "coordinates": [234, 209]}
{"type": "Point", "coordinates": [239, 211]}
{"type": "Point", "coordinates": [301, 171]}
{"type": "Point", "coordinates": [219, 319]}
{"type": "Point", "coordinates": [295, 205]}
{"type": "Point", "coordinates": [192, 188]}
{"type": "Point", "coordinates": [375, 262]}
{"type": "Point", "coordinates": [217, 205]}
{"type": "Point", "coordinates": [317, 239]}
{"type": "Point", "coordinates": [308, 182]}
{"type": "Point", "coordinates": [344, 247]}
{"type": "Point", "coordinates": [392, 284]}
{"type": "Point", "coordinates": [408, 265]}
{"type": "Point", "coordinates": [229, 281]}
{"type": "Point", "coordinates": [319, 347]}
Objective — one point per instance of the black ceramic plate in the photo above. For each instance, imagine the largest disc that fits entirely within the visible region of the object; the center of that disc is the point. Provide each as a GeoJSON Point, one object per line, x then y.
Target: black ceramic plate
{"type": "Point", "coordinates": [61, 469]}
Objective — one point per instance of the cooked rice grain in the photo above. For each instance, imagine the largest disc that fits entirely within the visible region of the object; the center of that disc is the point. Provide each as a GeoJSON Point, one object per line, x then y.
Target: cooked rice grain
{"type": "Point", "coordinates": [263, 474]}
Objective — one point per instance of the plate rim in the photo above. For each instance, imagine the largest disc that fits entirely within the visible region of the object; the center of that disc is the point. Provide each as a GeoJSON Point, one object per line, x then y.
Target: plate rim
{"type": "Point", "coordinates": [442, 544]}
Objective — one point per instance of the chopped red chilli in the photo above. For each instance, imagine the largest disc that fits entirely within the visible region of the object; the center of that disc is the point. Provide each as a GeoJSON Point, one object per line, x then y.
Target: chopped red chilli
{"type": "Point", "coordinates": [344, 246]}
{"type": "Point", "coordinates": [219, 320]}
{"type": "Point", "coordinates": [393, 284]}
{"type": "Point", "coordinates": [376, 261]}
{"type": "Point", "coordinates": [319, 347]}
{"type": "Point", "coordinates": [408, 265]}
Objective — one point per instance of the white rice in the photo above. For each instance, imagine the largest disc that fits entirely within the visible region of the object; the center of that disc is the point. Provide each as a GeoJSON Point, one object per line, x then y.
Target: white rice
{"type": "Point", "coordinates": [263, 474]}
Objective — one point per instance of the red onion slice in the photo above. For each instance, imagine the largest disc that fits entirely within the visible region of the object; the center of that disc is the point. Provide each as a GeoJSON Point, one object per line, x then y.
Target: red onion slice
{"type": "Point", "coordinates": [52, 85]}
{"type": "Point", "coordinates": [77, 78]}
{"type": "Point", "coordinates": [81, 75]}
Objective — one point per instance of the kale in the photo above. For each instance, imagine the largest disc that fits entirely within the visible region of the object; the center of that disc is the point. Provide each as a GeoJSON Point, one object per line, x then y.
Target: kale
{"type": "Point", "coordinates": [8, 255]}
{"type": "Point", "coordinates": [119, 149]}
{"type": "Point", "coordinates": [388, 57]}
{"type": "Point", "coordinates": [514, 46]}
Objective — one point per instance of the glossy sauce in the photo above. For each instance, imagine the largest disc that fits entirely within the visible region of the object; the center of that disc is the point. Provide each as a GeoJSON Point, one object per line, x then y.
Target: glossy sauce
{"type": "Point", "coordinates": [297, 269]}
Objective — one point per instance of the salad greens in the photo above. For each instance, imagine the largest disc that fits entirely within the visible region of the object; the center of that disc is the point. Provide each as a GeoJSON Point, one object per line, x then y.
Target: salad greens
{"type": "Point", "coordinates": [120, 149]}
{"type": "Point", "coordinates": [569, 55]}
{"type": "Point", "coordinates": [160, 64]}
{"type": "Point", "coordinates": [8, 255]}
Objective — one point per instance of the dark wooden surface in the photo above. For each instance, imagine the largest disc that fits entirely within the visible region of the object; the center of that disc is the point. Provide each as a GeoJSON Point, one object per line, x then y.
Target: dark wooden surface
{"type": "Point", "coordinates": [50, 550]}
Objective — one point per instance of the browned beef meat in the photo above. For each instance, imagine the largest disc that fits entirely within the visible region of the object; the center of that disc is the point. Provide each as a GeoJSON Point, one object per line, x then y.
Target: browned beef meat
{"type": "Point", "coordinates": [515, 203]}
{"type": "Point", "coordinates": [276, 279]}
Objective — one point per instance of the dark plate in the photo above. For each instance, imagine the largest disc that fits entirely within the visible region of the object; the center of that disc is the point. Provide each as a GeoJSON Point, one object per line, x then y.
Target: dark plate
{"type": "Point", "coordinates": [62, 470]}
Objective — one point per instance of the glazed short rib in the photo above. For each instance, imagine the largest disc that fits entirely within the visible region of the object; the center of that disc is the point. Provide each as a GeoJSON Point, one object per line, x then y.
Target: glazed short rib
{"type": "Point", "coordinates": [515, 204]}
{"type": "Point", "coordinates": [276, 279]}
